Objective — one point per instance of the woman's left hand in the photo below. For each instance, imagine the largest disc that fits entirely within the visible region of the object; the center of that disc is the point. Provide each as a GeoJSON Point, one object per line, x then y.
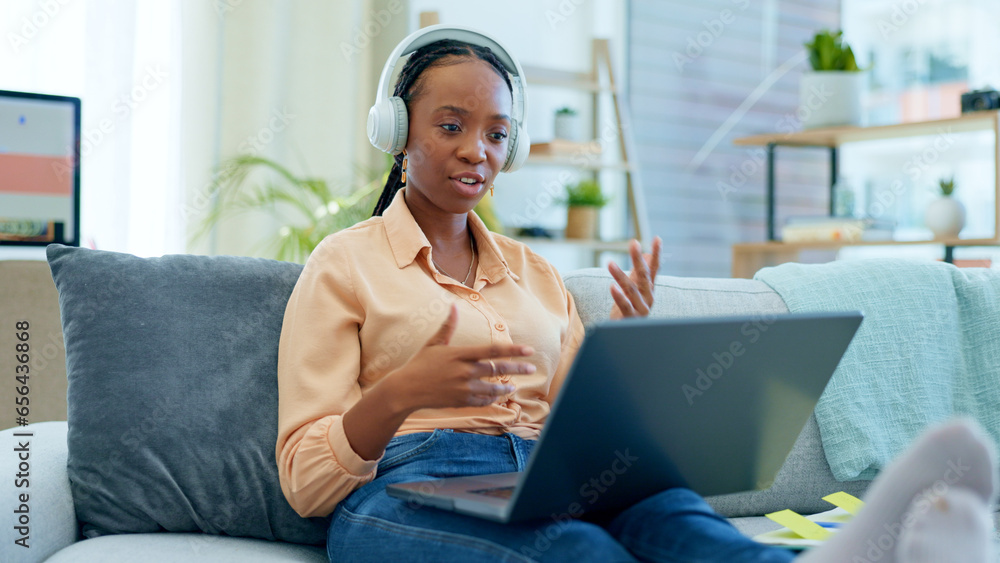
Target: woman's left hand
{"type": "Point", "coordinates": [633, 293]}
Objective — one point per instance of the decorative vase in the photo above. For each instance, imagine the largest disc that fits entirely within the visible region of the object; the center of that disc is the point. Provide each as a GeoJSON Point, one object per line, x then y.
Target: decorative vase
{"type": "Point", "coordinates": [567, 126]}
{"type": "Point", "coordinates": [581, 221]}
{"type": "Point", "coordinates": [831, 98]}
{"type": "Point", "coordinates": [945, 217]}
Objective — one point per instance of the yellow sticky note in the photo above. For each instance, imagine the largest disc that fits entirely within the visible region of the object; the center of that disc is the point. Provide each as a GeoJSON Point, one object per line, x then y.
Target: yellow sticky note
{"type": "Point", "coordinates": [846, 501]}
{"type": "Point", "coordinates": [799, 524]}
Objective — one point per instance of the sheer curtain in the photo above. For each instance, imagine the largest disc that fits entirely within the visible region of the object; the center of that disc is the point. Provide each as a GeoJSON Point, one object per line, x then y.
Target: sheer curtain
{"type": "Point", "coordinates": [171, 89]}
{"type": "Point", "coordinates": [122, 58]}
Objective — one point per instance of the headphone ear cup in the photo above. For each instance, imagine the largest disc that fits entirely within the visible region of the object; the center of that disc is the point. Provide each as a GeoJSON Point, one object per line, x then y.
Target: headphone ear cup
{"type": "Point", "coordinates": [388, 125]}
{"type": "Point", "coordinates": [517, 151]}
{"type": "Point", "coordinates": [402, 125]}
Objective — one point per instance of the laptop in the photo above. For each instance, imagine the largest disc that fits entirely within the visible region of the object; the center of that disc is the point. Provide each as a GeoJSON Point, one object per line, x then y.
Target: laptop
{"type": "Point", "coordinates": [711, 404]}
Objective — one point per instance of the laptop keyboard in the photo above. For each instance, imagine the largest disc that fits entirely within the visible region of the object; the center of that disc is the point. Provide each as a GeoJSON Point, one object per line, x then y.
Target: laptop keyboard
{"type": "Point", "coordinates": [498, 492]}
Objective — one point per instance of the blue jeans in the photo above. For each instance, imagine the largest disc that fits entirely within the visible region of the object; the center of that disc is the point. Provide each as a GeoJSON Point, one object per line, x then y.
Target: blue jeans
{"type": "Point", "coordinates": [369, 525]}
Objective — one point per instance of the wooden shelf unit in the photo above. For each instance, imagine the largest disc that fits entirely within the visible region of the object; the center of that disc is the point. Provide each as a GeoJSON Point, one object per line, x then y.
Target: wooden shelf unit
{"type": "Point", "coordinates": [592, 82]}
{"type": "Point", "coordinates": [750, 257]}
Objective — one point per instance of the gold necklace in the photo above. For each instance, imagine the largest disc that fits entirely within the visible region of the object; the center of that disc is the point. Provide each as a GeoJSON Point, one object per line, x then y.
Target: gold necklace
{"type": "Point", "coordinates": [467, 274]}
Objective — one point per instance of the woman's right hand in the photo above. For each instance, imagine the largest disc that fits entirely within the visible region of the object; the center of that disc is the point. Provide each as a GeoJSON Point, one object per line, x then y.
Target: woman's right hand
{"type": "Point", "coordinates": [440, 375]}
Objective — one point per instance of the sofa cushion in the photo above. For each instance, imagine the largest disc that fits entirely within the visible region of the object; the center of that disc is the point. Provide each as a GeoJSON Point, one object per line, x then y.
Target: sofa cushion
{"type": "Point", "coordinates": [172, 393]}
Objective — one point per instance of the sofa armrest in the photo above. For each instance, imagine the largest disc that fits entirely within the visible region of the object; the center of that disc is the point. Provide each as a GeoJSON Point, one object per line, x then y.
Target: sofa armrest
{"type": "Point", "coordinates": [35, 498]}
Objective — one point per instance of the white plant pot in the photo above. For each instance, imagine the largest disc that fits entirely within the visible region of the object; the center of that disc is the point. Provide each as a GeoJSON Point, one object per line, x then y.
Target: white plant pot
{"type": "Point", "coordinates": [831, 98]}
{"type": "Point", "coordinates": [945, 217]}
{"type": "Point", "coordinates": [567, 127]}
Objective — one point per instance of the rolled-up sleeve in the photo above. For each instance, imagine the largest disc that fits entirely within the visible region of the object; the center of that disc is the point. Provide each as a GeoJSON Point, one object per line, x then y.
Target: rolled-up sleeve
{"type": "Point", "coordinates": [318, 367]}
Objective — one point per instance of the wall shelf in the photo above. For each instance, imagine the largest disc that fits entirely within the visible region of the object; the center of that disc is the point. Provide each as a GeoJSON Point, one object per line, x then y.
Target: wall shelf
{"type": "Point", "coordinates": [832, 137]}
{"type": "Point", "coordinates": [750, 257]}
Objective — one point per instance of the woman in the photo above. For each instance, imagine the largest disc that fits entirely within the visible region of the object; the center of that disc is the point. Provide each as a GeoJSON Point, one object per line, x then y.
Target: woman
{"type": "Point", "coordinates": [417, 345]}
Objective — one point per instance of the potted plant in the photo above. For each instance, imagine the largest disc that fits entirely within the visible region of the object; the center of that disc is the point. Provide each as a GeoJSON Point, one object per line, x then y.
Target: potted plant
{"type": "Point", "coordinates": [832, 93]}
{"type": "Point", "coordinates": [945, 216]}
{"type": "Point", "coordinates": [584, 201]}
{"type": "Point", "coordinates": [305, 209]}
{"type": "Point", "coordinates": [567, 124]}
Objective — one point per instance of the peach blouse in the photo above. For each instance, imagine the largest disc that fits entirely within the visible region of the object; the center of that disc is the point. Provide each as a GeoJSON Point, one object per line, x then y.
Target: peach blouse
{"type": "Point", "coordinates": [367, 300]}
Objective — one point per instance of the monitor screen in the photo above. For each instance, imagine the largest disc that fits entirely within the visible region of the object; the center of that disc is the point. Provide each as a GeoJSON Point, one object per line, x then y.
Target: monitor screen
{"type": "Point", "coordinates": [39, 169]}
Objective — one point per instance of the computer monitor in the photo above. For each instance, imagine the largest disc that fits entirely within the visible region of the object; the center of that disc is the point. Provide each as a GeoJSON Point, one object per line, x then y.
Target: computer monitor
{"type": "Point", "coordinates": [39, 169]}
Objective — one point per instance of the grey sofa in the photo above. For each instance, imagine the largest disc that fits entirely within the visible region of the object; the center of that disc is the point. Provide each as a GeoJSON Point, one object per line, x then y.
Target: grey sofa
{"type": "Point", "coordinates": [168, 455]}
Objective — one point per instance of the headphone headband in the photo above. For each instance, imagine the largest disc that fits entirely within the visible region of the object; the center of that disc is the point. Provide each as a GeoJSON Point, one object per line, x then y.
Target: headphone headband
{"type": "Point", "coordinates": [387, 120]}
{"type": "Point", "coordinates": [432, 33]}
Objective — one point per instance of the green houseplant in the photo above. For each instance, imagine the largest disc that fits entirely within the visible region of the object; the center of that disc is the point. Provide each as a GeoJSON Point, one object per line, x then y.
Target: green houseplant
{"type": "Point", "coordinates": [832, 94]}
{"type": "Point", "coordinates": [828, 52]}
{"type": "Point", "coordinates": [945, 216]}
{"type": "Point", "coordinates": [584, 201]}
{"type": "Point", "coordinates": [947, 186]}
{"type": "Point", "coordinates": [307, 209]}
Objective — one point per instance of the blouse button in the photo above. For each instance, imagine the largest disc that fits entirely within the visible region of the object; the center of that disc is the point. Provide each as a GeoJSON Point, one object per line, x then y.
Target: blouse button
{"type": "Point", "coordinates": [474, 297]}
{"type": "Point", "coordinates": [499, 326]}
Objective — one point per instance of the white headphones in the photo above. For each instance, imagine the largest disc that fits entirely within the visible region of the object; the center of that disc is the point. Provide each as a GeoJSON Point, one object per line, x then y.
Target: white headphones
{"type": "Point", "coordinates": [388, 121]}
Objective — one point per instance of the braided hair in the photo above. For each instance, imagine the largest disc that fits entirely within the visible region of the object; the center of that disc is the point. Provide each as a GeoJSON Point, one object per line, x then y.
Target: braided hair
{"type": "Point", "coordinates": [438, 53]}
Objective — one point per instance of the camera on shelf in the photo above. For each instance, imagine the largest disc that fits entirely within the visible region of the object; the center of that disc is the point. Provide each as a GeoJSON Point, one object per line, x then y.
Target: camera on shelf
{"type": "Point", "coordinates": [980, 100]}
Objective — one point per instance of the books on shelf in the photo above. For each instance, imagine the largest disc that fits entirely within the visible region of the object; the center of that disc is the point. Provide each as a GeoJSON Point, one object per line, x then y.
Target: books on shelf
{"type": "Point", "coordinates": [838, 229]}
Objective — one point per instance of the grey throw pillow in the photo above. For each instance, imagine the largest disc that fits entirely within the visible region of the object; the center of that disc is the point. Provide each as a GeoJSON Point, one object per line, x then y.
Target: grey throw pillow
{"type": "Point", "coordinates": [172, 394]}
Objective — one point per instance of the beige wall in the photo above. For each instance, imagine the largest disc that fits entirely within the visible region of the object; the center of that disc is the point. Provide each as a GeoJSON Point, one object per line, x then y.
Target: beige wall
{"type": "Point", "coordinates": [29, 295]}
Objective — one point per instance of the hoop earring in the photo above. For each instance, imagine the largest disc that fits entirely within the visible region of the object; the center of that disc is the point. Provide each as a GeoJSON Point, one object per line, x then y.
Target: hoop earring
{"type": "Point", "coordinates": [403, 177]}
